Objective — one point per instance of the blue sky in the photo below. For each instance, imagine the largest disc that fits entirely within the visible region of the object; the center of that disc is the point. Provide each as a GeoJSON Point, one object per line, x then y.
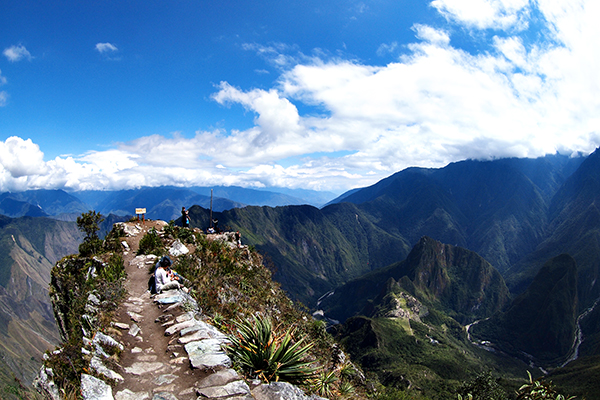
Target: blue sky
{"type": "Point", "coordinates": [301, 94]}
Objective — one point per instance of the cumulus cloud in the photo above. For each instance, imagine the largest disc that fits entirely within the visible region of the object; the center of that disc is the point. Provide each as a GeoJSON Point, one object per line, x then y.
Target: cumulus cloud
{"type": "Point", "coordinates": [332, 123]}
{"type": "Point", "coordinates": [17, 53]}
{"type": "Point", "coordinates": [484, 14]}
{"type": "Point", "coordinates": [106, 48]}
{"type": "Point", "coordinates": [19, 159]}
{"type": "Point", "coordinates": [438, 103]}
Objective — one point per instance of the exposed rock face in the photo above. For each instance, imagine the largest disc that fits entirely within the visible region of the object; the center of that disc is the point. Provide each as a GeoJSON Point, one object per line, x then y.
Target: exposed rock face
{"type": "Point", "coordinates": [93, 388]}
{"type": "Point", "coordinates": [281, 391]}
{"type": "Point", "coordinates": [67, 286]}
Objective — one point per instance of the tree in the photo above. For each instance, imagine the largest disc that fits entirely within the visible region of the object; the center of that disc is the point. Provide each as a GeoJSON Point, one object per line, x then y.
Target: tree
{"type": "Point", "coordinates": [483, 387]}
{"type": "Point", "coordinates": [88, 224]}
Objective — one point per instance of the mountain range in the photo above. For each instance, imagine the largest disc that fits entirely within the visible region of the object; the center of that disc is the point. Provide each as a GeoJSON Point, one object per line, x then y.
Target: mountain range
{"type": "Point", "coordinates": [162, 202]}
{"type": "Point", "coordinates": [29, 247]}
{"type": "Point", "coordinates": [440, 247]}
{"type": "Point", "coordinates": [523, 216]}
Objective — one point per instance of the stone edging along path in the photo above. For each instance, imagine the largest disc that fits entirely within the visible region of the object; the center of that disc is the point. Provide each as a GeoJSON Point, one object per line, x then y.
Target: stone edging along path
{"type": "Point", "coordinates": [168, 352]}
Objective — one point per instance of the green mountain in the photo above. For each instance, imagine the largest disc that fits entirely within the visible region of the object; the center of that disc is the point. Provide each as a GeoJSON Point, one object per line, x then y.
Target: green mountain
{"type": "Point", "coordinates": [312, 251]}
{"type": "Point", "coordinates": [541, 322]}
{"type": "Point", "coordinates": [450, 279]}
{"type": "Point", "coordinates": [29, 247]}
{"type": "Point", "coordinates": [574, 229]}
{"type": "Point", "coordinates": [403, 332]}
{"type": "Point", "coordinates": [498, 209]}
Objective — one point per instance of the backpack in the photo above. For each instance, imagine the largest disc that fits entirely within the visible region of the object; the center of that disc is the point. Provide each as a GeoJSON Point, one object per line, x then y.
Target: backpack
{"type": "Point", "coordinates": [152, 284]}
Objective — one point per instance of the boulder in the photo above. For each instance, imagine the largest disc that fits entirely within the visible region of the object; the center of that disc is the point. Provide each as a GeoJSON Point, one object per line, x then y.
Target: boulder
{"type": "Point", "coordinates": [178, 249]}
{"type": "Point", "coordinates": [93, 388]}
{"type": "Point", "coordinates": [281, 391]}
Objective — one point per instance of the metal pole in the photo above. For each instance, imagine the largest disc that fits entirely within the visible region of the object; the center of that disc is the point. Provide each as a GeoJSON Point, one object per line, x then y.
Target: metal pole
{"type": "Point", "coordinates": [211, 194]}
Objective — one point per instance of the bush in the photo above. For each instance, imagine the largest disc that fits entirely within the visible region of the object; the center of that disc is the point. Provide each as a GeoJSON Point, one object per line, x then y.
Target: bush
{"type": "Point", "coordinates": [88, 224]}
{"type": "Point", "coordinates": [113, 270]}
{"type": "Point", "coordinates": [151, 243]}
{"type": "Point", "coordinates": [483, 387]}
{"type": "Point", "coordinates": [539, 390]}
{"type": "Point", "coordinates": [261, 353]}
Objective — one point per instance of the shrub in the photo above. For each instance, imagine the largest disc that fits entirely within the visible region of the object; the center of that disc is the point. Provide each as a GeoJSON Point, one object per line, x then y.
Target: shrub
{"type": "Point", "coordinates": [112, 241]}
{"type": "Point", "coordinates": [483, 387]}
{"type": "Point", "coordinates": [186, 235]}
{"type": "Point", "coordinates": [151, 243]}
{"type": "Point", "coordinates": [88, 224]}
{"type": "Point", "coordinates": [539, 389]}
{"type": "Point", "coordinates": [261, 353]}
{"type": "Point", "coordinates": [113, 270]}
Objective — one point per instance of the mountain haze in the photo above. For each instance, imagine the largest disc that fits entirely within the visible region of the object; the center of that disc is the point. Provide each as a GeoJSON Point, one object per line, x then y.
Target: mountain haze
{"type": "Point", "coordinates": [29, 247]}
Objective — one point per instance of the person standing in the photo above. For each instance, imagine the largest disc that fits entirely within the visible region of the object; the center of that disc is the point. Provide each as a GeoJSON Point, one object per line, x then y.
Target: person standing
{"type": "Point", "coordinates": [185, 218]}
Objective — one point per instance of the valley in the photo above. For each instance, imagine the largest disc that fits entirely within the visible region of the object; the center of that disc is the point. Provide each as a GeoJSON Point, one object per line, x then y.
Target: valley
{"type": "Point", "coordinates": [507, 248]}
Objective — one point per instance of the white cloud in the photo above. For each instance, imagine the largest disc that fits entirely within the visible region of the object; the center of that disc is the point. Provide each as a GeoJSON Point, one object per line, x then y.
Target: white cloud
{"type": "Point", "coordinates": [431, 35]}
{"type": "Point", "coordinates": [484, 14]}
{"type": "Point", "coordinates": [434, 105]}
{"type": "Point", "coordinates": [17, 53]}
{"type": "Point", "coordinates": [2, 79]}
{"type": "Point", "coordinates": [440, 104]}
{"type": "Point", "coordinates": [385, 48]}
{"type": "Point", "coordinates": [3, 98]}
{"type": "Point", "coordinates": [106, 48]}
{"type": "Point", "coordinates": [20, 157]}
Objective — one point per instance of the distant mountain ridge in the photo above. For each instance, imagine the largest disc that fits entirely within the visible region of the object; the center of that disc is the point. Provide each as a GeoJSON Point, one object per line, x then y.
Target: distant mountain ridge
{"type": "Point", "coordinates": [498, 209]}
{"type": "Point", "coordinates": [29, 247]}
{"type": "Point", "coordinates": [542, 320]}
{"type": "Point", "coordinates": [162, 202]}
{"type": "Point", "coordinates": [454, 280]}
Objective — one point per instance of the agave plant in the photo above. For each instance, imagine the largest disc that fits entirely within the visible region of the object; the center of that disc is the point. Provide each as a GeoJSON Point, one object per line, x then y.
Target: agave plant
{"type": "Point", "coordinates": [261, 353]}
{"type": "Point", "coordinates": [323, 383]}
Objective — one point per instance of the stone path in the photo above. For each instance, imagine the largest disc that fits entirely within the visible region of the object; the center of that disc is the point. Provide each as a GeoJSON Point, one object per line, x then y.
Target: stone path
{"type": "Point", "coordinates": [168, 351]}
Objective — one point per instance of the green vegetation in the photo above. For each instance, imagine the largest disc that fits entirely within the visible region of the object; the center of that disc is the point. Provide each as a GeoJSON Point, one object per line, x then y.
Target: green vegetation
{"type": "Point", "coordinates": [542, 320]}
{"type": "Point", "coordinates": [233, 287]}
{"type": "Point", "coordinates": [88, 224]}
{"type": "Point", "coordinates": [186, 235]}
{"type": "Point", "coordinates": [73, 279]}
{"type": "Point", "coordinates": [484, 387]}
{"type": "Point", "coordinates": [151, 243]}
{"type": "Point", "coordinates": [262, 353]}
{"type": "Point", "coordinates": [540, 390]}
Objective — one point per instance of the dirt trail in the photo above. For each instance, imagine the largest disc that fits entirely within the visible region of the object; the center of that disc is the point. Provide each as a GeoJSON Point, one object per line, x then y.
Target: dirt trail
{"type": "Point", "coordinates": [154, 365]}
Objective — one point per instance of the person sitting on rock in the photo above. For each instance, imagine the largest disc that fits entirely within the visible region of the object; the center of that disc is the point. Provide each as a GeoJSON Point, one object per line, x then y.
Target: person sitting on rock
{"type": "Point", "coordinates": [163, 277]}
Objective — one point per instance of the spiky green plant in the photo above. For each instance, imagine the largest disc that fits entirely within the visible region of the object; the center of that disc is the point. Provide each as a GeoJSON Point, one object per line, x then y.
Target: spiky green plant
{"type": "Point", "coordinates": [323, 383]}
{"type": "Point", "coordinates": [346, 389]}
{"type": "Point", "coordinates": [261, 353]}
